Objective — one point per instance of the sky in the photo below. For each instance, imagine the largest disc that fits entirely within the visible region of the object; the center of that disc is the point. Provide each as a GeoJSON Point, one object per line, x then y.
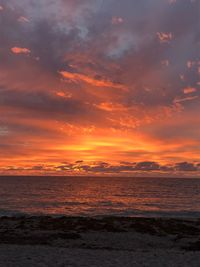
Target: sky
{"type": "Point", "coordinates": [100, 87]}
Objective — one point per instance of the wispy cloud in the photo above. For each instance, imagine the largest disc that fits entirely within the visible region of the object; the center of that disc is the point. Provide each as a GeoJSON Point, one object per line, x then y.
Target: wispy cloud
{"type": "Point", "coordinates": [77, 78]}
{"type": "Point", "coordinates": [20, 50]}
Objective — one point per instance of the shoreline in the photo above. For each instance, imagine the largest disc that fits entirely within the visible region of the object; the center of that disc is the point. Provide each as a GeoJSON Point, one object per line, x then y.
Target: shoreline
{"type": "Point", "coordinates": [99, 241]}
{"type": "Point", "coordinates": [142, 214]}
{"type": "Point", "coordinates": [47, 229]}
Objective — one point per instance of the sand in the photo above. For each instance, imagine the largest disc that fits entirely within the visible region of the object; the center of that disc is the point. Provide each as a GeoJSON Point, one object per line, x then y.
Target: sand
{"type": "Point", "coordinates": [68, 241]}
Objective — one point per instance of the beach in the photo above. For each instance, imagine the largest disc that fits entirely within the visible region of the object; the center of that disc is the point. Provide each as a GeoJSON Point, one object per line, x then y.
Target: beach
{"type": "Point", "coordinates": [98, 241]}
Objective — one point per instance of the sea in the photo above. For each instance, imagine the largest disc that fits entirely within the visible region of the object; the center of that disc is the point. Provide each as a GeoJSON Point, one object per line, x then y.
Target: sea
{"type": "Point", "coordinates": [100, 196]}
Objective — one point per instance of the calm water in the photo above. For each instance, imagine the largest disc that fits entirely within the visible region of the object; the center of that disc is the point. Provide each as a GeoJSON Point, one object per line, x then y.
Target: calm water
{"type": "Point", "coordinates": [100, 196]}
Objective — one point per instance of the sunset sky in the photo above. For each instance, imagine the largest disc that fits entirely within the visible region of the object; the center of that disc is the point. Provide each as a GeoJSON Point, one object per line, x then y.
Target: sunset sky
{"type": "Point", "coordinates": [100, 87]}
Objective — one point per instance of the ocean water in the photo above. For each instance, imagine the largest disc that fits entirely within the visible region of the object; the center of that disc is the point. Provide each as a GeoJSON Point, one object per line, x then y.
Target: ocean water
{"type": "Point", "coordinates": [92, 196]}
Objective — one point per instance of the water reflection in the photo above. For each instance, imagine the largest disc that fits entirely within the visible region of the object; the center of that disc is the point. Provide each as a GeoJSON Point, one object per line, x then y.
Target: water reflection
{"type": "Point", "coordinates": [95, 196]}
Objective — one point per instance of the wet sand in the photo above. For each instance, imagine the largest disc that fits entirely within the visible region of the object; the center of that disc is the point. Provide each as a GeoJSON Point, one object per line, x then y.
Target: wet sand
{"type": "Point", "coordinates": [107, 241]}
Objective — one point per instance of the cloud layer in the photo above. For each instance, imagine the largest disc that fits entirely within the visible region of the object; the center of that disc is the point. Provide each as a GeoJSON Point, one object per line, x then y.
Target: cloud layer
{"type": "Point", "coordinates": [100, 81]}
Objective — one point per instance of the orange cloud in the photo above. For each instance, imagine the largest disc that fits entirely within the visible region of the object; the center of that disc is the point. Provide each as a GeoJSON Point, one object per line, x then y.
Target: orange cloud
{"type": "Point", "coordinates": [109, 106]}
{"type": "Point", "coordinates": [77, 77]}
{"type": "Point", "coordinates": [189, 90]}
{"type": "Point", "coordinates": [63, 94]}
{"type": "Point", "coordinates": [164, 37]}
{"type": "Point", "coordinates": [20, 50]}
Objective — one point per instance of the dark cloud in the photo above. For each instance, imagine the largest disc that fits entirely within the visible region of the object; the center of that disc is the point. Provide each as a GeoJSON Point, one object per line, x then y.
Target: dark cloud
{"type": "Point", "coordinates": [186, 166]}
{"type": "Point", "coordinates": [147, 166]}
{"type": "Point", "coordinates": [40, 102]}
{"type": "Point", "coordinates": [129, 167]}
{"type": "Point", "coordinates": [99, 168]}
